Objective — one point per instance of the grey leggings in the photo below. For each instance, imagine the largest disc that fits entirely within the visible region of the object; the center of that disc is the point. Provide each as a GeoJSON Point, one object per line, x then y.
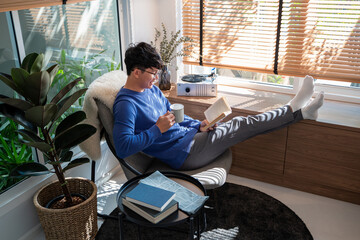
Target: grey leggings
{"type": "Point", "coordinates": [206, 146]}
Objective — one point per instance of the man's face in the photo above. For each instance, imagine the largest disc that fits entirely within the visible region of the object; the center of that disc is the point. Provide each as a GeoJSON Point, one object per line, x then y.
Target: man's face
{"type": "Point", "coordinates": [149, 76]}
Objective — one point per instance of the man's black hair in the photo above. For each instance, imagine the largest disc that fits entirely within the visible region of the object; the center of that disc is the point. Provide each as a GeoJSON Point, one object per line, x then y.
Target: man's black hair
{"type": "Point", "coordinates": [142, 56]}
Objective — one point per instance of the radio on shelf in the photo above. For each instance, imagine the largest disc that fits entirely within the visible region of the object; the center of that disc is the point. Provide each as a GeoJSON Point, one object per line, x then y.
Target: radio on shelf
{"type": "Point", "coordinates": [197, 85]}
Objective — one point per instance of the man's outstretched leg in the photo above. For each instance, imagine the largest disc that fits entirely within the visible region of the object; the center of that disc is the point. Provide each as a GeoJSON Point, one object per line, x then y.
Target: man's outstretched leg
{"type": "Point", "coordinates": [303, 95]}
{"type": "Point", "coordinates": [310, 111]}
{"type": "Point", "coordinates": [208, 145]}
{"type": "Point", "coordinates": [302, 100]}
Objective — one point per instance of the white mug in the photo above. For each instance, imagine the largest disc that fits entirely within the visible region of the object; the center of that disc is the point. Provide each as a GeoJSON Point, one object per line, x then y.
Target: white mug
{"type": "Point", "coordinates": [178, 110]}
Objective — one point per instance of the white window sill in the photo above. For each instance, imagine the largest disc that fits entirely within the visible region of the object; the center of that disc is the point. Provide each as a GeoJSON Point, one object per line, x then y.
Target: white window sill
{"type": "Point", "coordinates": [13, 196]}
{"type": "Point", "coordinates": [333, 111]}
{"type": "Point", "coordinates": [22, 191]}
{"type": "Point", "coordinates": [336, 93]}
{"type": "Point", "coordinates": [252, 101]}
{"type": "Point", "coordinates": [17, 209]}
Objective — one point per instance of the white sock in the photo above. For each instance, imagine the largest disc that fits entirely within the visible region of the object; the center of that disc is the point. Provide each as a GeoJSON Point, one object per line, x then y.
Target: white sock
{"type": "Point", "coordinates": [303, 95]}
{"type": "Point", "coordinates": [310, 111]}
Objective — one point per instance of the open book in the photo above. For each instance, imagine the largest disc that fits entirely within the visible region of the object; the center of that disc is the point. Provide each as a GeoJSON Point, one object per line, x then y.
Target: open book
{"type": "Point", "coordinates": [216, 112]}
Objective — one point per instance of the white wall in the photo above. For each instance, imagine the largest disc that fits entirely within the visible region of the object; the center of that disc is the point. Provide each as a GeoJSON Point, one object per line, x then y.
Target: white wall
{"type": "Point", "coordinates": [148, 15]}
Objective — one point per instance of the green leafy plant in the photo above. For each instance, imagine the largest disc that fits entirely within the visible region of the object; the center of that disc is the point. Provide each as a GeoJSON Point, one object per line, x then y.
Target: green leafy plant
{"type": "Point", "coordinates": [112, 65]}
{"type": "Point", "coordinates": [86, 68]}
{"type": "Point", "coordinates": [12, 153]}
{"type": "Point", "coordinates": [275, 79]}
{"type": "Point", "coordinates": [37, 115]}
{"type": "Point", "coordinates": [166, 45]}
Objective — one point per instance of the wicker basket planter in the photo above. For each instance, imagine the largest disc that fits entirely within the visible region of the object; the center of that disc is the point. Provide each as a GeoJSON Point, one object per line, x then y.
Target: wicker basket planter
{"type": "Point", "coordinates": [75, 223]}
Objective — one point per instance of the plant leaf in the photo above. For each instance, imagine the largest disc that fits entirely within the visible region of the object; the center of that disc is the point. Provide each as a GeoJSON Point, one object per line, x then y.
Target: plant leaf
{"type": "Point", "coordinates": [42, 146]}
{"type": "Point", "coordinates": [118, 66]}
{"type": "Point", "coordinates": [5, 158]}
{"type": "Point", "coordinates": [53, 70]}
{"type": "Point", "coordinates": [75, 163]}
{"type": "Point", "coordinates": [65, 90]}
{"type": "Point", "coordinates": [67, 157]}
{"type": "Point", "coordinates": [64, 152]}
{"type": "Point", "coordinates": [15, 102]}
{"type": "Point", "coordinates": [19, 76]}
{"type": "Point", "coordinates": [73, 136]}
{"type": "Point", "coordinates": [54, 162]}
{"type": "Point", "coordinates": [37, 65]}
{"type": "Point", "coordinates": [70, 121]}
{"type": "Point", "coordinates": [28, 61]}
{"type": "Point", "coordinates": [41, 115]}
{"type": "Point", "coordinates": [30, 169]}
{"type": "Point", "coordinates": [24, 155]}
{"type": "Point", "coordinates": [29, 135]}
{"type": "Point", "coordinates": [38, 85]}
{"type": "Point", "coordinates": [6, 149]}
{"type": "Point", "coordinates": [17, 115]}
{"type": "Point", "coordinates": [63, 56]}
{"type": "Point", "coordinates": [8, 80]}
{"type": "Point", "coordinates": [67, 102]}
{"type": "Point", "coordinates": [14, 150]}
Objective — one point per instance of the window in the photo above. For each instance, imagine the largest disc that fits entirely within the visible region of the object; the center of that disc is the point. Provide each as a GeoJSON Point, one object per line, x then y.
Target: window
{"type": "Point", "coordinates": [12, 151]}
{"type": "Point", "coordinates": [83, 38]}
{"type": "Point", "coordinates": [278, 41]}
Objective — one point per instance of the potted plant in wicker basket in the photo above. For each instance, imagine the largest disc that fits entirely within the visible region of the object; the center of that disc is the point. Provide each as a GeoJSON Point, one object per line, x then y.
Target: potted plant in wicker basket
{"type": "Point", "coordinates": [167, 49]}
{"type": "Point", "coordinates": [42, 129]}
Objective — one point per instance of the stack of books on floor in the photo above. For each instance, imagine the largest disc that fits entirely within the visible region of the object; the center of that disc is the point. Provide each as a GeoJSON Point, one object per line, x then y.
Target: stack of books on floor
{"type": "Point", "coordinates": [152, 203]}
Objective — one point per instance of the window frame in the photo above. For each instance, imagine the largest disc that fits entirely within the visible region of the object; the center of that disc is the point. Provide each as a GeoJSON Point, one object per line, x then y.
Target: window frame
{"type": "Point", "coordinates": [332, 92]}
{"type": "Point", "coordinates": [123, 21]}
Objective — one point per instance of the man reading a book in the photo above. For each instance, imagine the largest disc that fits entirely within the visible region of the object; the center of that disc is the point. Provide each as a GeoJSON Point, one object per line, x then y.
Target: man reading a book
{"type": "Point", "coordinates": [143, 120]}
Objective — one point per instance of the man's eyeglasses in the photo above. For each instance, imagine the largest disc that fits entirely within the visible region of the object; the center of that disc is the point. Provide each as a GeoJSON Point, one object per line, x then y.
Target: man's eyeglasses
{"type": "Point", "coordinates": [155, 74]}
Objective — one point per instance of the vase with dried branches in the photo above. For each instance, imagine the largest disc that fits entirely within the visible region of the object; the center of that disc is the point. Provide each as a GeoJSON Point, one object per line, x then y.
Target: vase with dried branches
{"type": "Point", "coordinates": [167, 46]}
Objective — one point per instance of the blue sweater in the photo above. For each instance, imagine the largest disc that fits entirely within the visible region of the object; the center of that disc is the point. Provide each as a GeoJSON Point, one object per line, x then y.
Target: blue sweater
{"type": "Point", "coordinates": [135, 116]}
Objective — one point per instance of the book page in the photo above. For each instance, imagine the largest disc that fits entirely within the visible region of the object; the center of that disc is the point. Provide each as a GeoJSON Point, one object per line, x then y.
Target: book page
{"type": "Point", "coordinates": [216, 112]}
{"type": "Point", "coordinates": [188, 201]}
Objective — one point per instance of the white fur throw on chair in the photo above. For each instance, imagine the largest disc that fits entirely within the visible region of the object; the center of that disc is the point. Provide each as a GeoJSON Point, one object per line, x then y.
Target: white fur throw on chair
{"type": "Point", "coordinates": [105, 89]}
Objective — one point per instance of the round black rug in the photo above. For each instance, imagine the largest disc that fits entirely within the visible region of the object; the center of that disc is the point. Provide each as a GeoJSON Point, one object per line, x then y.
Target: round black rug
{"type": "Point", "coordinates": [234, 212]}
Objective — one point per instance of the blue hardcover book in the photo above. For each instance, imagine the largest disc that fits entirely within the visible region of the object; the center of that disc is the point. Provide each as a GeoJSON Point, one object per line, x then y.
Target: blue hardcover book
{"type": "Point", "coordinates": [150, 197]}
{"type": "Point", "coordinates": [150, 214]}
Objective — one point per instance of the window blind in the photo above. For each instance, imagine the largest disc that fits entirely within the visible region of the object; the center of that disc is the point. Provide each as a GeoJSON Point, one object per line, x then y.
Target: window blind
{"type": "Point", "coordinates": [12, 5]}
{"type": "Point", "coordinates": [320, 38]}
{"type": "Point", "coordinates": [289, 37]}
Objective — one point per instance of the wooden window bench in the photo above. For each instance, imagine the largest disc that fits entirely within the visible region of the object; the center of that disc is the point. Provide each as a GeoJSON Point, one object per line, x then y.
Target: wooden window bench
{"type": "Point", "coordinates": [320, 157]}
